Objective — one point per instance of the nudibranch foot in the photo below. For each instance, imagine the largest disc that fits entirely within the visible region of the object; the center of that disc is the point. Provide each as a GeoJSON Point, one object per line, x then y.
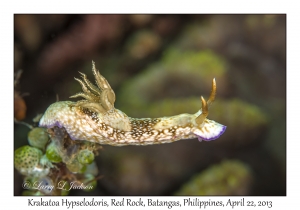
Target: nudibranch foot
{"type": "Point", "coordinates": [96, 120]}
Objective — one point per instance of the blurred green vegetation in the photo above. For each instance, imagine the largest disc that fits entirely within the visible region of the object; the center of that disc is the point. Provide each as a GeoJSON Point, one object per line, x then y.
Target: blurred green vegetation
{"type": "Point", "coordinates": [231, 177]}
{"type": "Point", "coordinates": [160, 65]}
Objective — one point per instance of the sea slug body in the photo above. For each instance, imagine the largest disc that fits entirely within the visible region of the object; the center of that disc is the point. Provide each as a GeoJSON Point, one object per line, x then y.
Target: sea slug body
{"type": "Point", "coordinates": [96, 119]}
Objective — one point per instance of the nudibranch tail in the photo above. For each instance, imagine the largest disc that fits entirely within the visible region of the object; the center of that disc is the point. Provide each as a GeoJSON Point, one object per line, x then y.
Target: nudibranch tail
{"type": "Point", "coordinates": [95, 119]}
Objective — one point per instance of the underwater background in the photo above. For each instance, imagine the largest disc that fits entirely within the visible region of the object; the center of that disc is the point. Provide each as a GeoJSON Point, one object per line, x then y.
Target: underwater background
{"type": "Point", "coordinates": [160, 65]}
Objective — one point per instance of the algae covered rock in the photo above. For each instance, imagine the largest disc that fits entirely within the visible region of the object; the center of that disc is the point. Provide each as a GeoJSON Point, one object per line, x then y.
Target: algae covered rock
{"type": "Point", "coordinates": [76, 167]}
{"type": "Point", "coordinates": [52, 153]}
{"type": "Point", "coordinates": [27, 161]}
{"type": "Point", "coordinates": [231, 177]}
{"type": "Point", "coordinates": [62, 162]}
{"type": "Point", "coordinates": [85, 156]}
{"type": "Point", "coordinates": [38, 137]}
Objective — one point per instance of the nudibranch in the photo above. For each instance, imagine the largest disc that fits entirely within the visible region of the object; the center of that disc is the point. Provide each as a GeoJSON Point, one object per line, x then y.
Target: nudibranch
{"type": "Point", "coordinates": [95, 119]}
